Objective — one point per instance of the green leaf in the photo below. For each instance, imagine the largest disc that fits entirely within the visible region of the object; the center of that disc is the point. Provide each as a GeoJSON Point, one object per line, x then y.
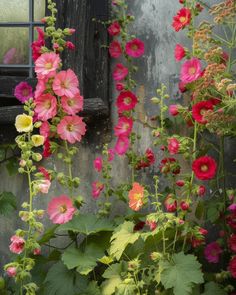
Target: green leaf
{"type": "Point", "coordinates": [48, 235]}
{"type": "Point", "coordinates": [87, 224]}
{"type": "Point", "coordinates": [126, 289]}
{"type": "Point", "coordinates": [12, 166]}
{"type": "Point", "coordinates": [122, 237]}
{"type": "Point", "coordinates": [213, 289]}
{"type": "Point", "coordinates": [61, 281]}
{"type": "Point", "coordinates": [83, 261]}
{"type": "Point", "coordinates": [200, 210]}
{"type": "Point", "coordinates": [92, 289]}
{"type": "Point", "coordinates": [109, 286]}
{"type": "Point", "coordinates": [7, 203]}
{"type": "Point", "coordinates": [181, 273]}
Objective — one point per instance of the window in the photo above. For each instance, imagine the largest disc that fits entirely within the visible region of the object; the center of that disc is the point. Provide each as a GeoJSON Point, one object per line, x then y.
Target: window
{"type": "Point", "coordinates": [18, 20]}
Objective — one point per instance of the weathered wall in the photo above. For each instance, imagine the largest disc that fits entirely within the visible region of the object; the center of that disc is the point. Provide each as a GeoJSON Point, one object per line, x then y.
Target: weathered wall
{"type": "Point", "coordinates": [153, 25]}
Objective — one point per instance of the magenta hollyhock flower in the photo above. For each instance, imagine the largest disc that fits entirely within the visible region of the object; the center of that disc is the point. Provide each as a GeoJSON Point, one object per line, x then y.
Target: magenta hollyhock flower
{"type": "Point", "coordinates": [71, 128]}
{"type": "Point", "coordinates": [232, 267]}
{"type": "Point", "coordinates": [190, 70]}
{"type": "Point", "coordinates": [70, 45]}
{"type": "Point", "coordinates": [174, 110]}
{"type": "Point", "coordinates": [120, 72]}
{"type": "Point", "coordinates": [115, 49]}
{"type": "Point", "coordinates": [47, 64]}
{"type": "Point", "coordinates": [66, 84]}
{"type": "Point", "coordinates": [44, 129]}
{"type": "Point", "coordinates": [46, 106]}
{"type": "Point", "coordinates": [212, 252]}
{"type": "Point", "coordinates": [114, 29]}
{"type": "Point", "coordinates": [173, 146]}
{"type": "Point", "coordinates": [11, 271]}
{"type": "Point", "coordinates": [72, 105]}
{"type": "Point", "coordinates": [23, 92]}
{"type": "Point", "coordinates": [97, 188]}
{"type": "Point", "coordinates": [232, 208]}
{"type": "Point", "coordinates": [17, 244]}
{"type": "Point", "coordinates": [126, 101]}
{"type": "Point", "coordinates": [179, 52]}
{"type": "Point", "coordinates": [61, 210]}
{"type": "Point", "coordinates": [37, 44]}
{"type": "Point", "coordinates": [122, 145]}
{"type": "Point", "coordinates": [120, 86]}
{"type": "Point", "coordinates": [135, 48]}
{"type": "Point", "coordinates": [232, 243]}
{"type": "Point", "coordinates": [97, 164]}
{"type": "Point", "coordinates": [124, 126]}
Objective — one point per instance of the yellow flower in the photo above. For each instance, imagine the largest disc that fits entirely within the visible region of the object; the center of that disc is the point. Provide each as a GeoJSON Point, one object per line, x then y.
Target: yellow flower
{"type": "Point", "coordinates": [37, 140]}
{"type": "Point", "coordinates": [24, 123]}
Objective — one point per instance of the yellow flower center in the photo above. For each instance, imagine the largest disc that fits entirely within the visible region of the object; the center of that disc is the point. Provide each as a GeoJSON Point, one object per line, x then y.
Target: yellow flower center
{"type": "Point", "coordinates": [65, 84]}
{"type": "Point", "coordinates": [70, 102]}
{"type": "Point", "coordinates": [182, 19]}
{"type": "Point", "coordinates": [47, 104]}
{"type": "Point", "coordinates": [192, 71]}
{"type": "Point", "coordinates": [127, 100]}
{"type": "Point", "coordinates": [48, 65]}
{"type": "Point", "coordinates": [134, 47]}
{"type": "Point", "coordinates": [204, 168]}
{"type": "Point", "coordinates": [63, 209]}
{"type": "Point", "coordinates": [70, 127]}
{"type": "Point", "coordinates": [137, 196]}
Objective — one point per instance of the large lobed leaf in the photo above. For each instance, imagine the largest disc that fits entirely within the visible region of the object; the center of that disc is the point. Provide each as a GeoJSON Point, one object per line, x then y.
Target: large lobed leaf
{"type": "Point", "coordinates": [7, 203]}
{"type": "Point", "coordinates": [213, 289]}
{"type": "Point", "coordinates": [181, 273]}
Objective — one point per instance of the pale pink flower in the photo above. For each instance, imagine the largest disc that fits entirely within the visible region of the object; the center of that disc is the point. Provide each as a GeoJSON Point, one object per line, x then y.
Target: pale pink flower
{"type": "Point", "coordinates": [122, 145]}
{"type": "Point", "coordinates": [40, 88]}
{"type": "Point", "coordinates": [120, 72]}
{"type": "Point", "coordinates": [46, 106]}
{"type": "Point", "coordinates": [17, 244]}
{"type": "Point", "coordinates": [72, 105]}
{"type": "Point", "coordinates": [66, 84]}
{"type": "Point", "coordinates": [47, 64]}
{"type": "Point", "coordinates": [61, 210]}
{"type": "Point", "coordinates": [124, 126]}
{"type": "Point", "coordinates": [97, 188]}
{"type": "Point", "coordinates": [173, 146]}
{"type": "Point", "coordinates": [44, 186]}
{"type": "Point", "coordinates": [44, 129]}
{"type": "Point", "coordinates": [190, 70]}
{"type": "Point", "coordinates": [71, 128]}
{"type": "Point", "coordinates": [11, 271]}
{"type": "Point", "coordinates": [97, 164]}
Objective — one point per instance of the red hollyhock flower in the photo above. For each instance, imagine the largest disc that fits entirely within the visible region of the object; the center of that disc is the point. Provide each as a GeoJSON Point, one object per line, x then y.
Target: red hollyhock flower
{"type": "Point", "coordinates": [135, 48]}
{"type": "Point", "coordinates": [115, 49]}
{"type": "Point", "coordinates": [212, 252]}
{"type": "Point", "coordinates": [147, 161]}
{"type": "Point", "coordinates": [184, 205]}
{"type": "Point", "coordinates": [46, 149]}
{"type": "Point", "coordinates": [45, 173]}
{"type": "Point", "coordinates": [231, 220]}
{"type": "Point", "coordinates": [232, 243]}
{"type": "Point", "coordinates": [182, 19]}
{"type": "Point", "coordinates": [232, 267]}
{"type": "Point", "coordinates": [180, 183]}
{"type": "Point", "coordinates": [201, 190]}
{"type": "Point", "coordinates": [120, 72]}
{"type": "Point", "coordinates": [170, 204]}
{"type": "Point", "coordinates": [37, 44]}
{"type": "Point", "coordinates": [139, 226]}
{"type": "Point", "coordinates": [169, 165]}
{"type": "Point", "coordinates": [114, 29]}
{"type": "Point", "coordinates": [179, 52]}
{"type": "Point", "coordinates": [126, 101]}
{"type": "Point", "coordinates": [204, 168]}
{"type": "Point", "coordinates": [199, 109]}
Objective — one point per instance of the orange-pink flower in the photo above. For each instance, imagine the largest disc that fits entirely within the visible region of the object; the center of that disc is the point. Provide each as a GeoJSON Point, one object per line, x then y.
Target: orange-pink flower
{"type": "Point", "coordinates": [66, 84]}
{"type": "Point", "coordinates": [46, 65]}
{"type": "Point", "coordinates": [136, 195]}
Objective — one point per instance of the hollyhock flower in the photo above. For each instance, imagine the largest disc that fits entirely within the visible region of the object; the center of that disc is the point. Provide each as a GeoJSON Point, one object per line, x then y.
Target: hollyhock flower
{"type": "Point", "coordinates": [151, 224]}
{"type": "Point", "coordinates": [120, 72]}
{"type": "Point", "coordinates": [212, 252]}
{"type": "Point", "coordinates": [201, 190]}
{"type": "Point", "coordinates": [44, 185]}
{"type": "Point", "coordinates": [182, 87]}
{"type": "Point", "coordinates": [179, 52]}
{"type": "Point", "coordinates": [37, 44]}
{"type": "Point", "coordinates": [23, 92]}
{"type": "Point", "coordinates": [24, 123]}
{"type": "Point", "coordinates": [44, 129]}
{"type": "Point", "coordinates": [97, 188]}
{"type": "Point", "coordinates": [170, 204]}
{"type": "Point", "coordinates": [134, 48]}
{"type": "Point", "coordinates": [46, 149]}
{"type": "Point", "coordinates": [37, 251]}
{"type": "Point", "coordinates": [232, 243]}
{"type": "Point", "coordinates": [71, 128]}
{"type": "Point", "coordinates": [47, 64]}
{"type": "Point", "coordinates": [231, 220]}
{"type": "Point", "coordinates": [44, 172]}
{"type": "Point", "coordinates": [199, 7]}
{"type": "Point", "coordinates": [199, 109]}
{"type": "Point", "coordinates": [40, 87]}
{"type": "Point", "coordinates": [17, 244]}
{"type": "Point", "coordinates": [97, 164]}
{"type": "Point", "coordinates": [115, 49]}
{"type": "Point", "coordinates": [180, 183]}
{"type": "Point", "coordinates": [149, 159]}
{"type": "Point", "coordinates": [114, 29]}
{"type": "Point", "coordinates": [190, 70]}
{"type": "Point", "coordinates": [204, 168]}
{"type": "Point", "coordinates": [203, 231]}
{"type": "Point", "coordinates": [61, 210]}
{"type": "Point", "coordinates": [232, 267]}
{"type": "Point", "coordinates": [173, 146]}
{"type": "Point", "coordinates": [72, 105]}
{"type": "Point", "coordinates": [182, 19]}
{"type": "Point", "coordinates": [37, 140]}
{"type": "Point", "coordinates": [111, 155]}
{"type": "Point", "coordinates": [56, 46]}
{"type": "Point", "coordinates": [232, 208]}
{"type": "Point", "coordinates": [46, 106]}
{"type": "Point", "coordinates": [169, 165]}
{"type": "Point", "coordinates": [122, 145]}
{"type": "Point", "coordinates": [120, 86]}
{"type": "Point", "coordinates": [126, 101]}
{"type": "Point", "coordinates": [136, 195]}
{"type": "Point", "coordinates": [174, 110]}
{"type": "Point", "coordinates": [66, 84]}
{"type": "Point", "coordinates": [70, 45]}
{"type": "Point", "coordinates": [11, 271]}
{"type": "Point", "coordinates": [184, 205]}
{"type": "Point", "coordinates": [124, 126]}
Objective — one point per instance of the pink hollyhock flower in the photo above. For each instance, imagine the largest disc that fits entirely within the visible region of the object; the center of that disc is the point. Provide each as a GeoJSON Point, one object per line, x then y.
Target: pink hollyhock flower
{"type": "Point", "coordinates": [124, 126]}
{"type": "Point", "coordinates": [173, 146]}
{"type": "Point", "coordinates": [72, 105]}
{"type": "Point", "coordinates": [135, 48]}
{"type": "Point", "coordinates": [201, 190]}
{"type": "Point", "coordinates": [40, 88]}
{"type": "Point", "coordinates": [114, 29]}
{"type": "Point", "coordinates": [97, 164]}
{"type": "Point", "coordinates": [97, 188]}
{"type": "Point", "coordinates": [122, 145]}
{"type": "Point", "coordinates": [46, 106]}
{"type": "Point", "coordinates": [44, 129]}
{"type": "Point", "coordinates": [136, 195]}
{"type": "Point", "coordinates": [232, 243]}
{"type": "Point", "coordinates": [204, 168]}
{"type": "Point", "coordinates": [37, 251]}
{"type": "Point", "coordinates": [120, 72]}
{"type": "Point", "coordinates": [61, 210]}
{"type": "Point", "coordinates": [47, 64]}
{"type": "Point", "coordinates": [232, 208]}
{"type": "Point", "coordinates": [111, 155]}
{"type": "Point", "coordinates": [23, 92]}
{"type": "Point", "coordinates": [182, 19]}
{"type": "Point", "coordinates": [212, 252]}
{"type": "Point", "coordinates": [17, 244]}
{"type": "Point", "coordinates": [66, 84]}
{"type": "Point", "coordinates": [120, 86]}
{"type": "Point", "coordinates": [199, 109]}
{"type": "Point", "coordinates": [232, 267]}
{"type": "Point", "coordinates": [71, 31]}
{"type": "Point", "coordinates": [115, 49]}
{"type": "Point", "coordinates": [11, 271]}
{"type": "Point", "coordinates": [126, 101]}
{"type": "Point", "coordinates": [71, 128]}
{"type": "Point", "coordinates": [70, 45]}
{"type": "Point", "coordinates": [179, 52]}
{"type": "Point", "coordinates": [174, 110]}
{"type": "Point", "coordinates": [190, 70]}
{"type": "Point", "coordinates": [37, 44]}
{"type": "Point", "coordinates": [170, 204]}
{"type": "Point", "coordinates": [46, 149]}
{"type": "Point", "coordinates": [44, 186]}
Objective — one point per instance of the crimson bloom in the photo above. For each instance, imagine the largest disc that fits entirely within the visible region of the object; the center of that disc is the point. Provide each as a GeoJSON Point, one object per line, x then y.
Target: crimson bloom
{"type": "Point", "coordinates": [199, 109]}
{"type": "Point", "coordinates": [212, 252]}
{"type": "Point", "coordinates": [182, 19]}
{"type": "Point", "coordinates": [66, 84]}
{"type": "Point", "coordinates": [147, 160]}
{"type": "Point", "coordinates": [120, 72]}
{"type": "Point", "coordinates": [115, 49]}
{"type": "Point", "coordinates": [136, 195]}
{"type": "Point", "coordinates": [170, 204]}
{"type": "Point", "coordinates": [124, 126]}
{"type": "Point", "coordinates": [114, 29]}
{"type": "Point", "coordinates": [46, 106]}
{"type": "Point", "coordinates": [232, 267]}
{"type": "Point", "coordinates": [23, 92]}
{"type": "Point", "coordinates": [179, 52]}
{"type": "Point", "coordinates": [232, 242]}
{"type": "Point", "coordinates": [135, 48]}
{"type": "Point", "coordinates": [190, 70]}
{"type": "Point", "coordinates": [126, 101]}
{"type": "Point", "coordinates": [17, 244]}
{"type": "Point", "coordinates": [204, 168]}
{"type": "Point", "coordinates": [71, 128]}
{"type": "Point", "coordinates": [37, 44]}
